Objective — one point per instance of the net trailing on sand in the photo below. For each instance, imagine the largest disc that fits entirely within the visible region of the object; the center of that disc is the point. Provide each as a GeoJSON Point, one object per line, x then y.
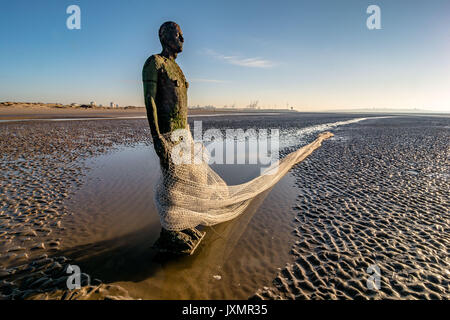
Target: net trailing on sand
{"type": "Point", "coordinates": [192, 194]}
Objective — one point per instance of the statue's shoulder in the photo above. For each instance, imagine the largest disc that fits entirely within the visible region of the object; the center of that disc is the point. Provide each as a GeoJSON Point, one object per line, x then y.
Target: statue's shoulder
{"type": "Point", "coordinates": [151, 67]}
{"type": "Point", "coordinates": [154, 61]}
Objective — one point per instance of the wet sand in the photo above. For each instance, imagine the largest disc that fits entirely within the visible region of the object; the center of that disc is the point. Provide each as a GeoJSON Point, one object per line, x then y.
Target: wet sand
{"type": "Point", "coordinates": [377, 197]}
{"type": "Point", "coordinates": [85, 197]}
{"type": "Point", "coordinates": [84, 174]}
{"type": "Point", "coordinates": [38, 175]}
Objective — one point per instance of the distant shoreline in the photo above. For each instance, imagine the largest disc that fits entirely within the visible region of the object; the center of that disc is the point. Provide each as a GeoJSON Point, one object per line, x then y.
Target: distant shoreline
{"type": "Point", "coordinates": [29, 110]}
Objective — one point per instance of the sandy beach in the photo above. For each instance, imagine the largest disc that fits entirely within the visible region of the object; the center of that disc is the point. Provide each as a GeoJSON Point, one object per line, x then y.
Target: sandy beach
{"type": "Point", "coordinates": [17, 110]}
{"type": "Point", "coordinates": [81, 192]}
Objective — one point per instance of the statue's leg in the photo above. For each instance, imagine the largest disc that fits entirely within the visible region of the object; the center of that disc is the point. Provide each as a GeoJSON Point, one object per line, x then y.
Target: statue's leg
{"type": "Point", "coordinates": [178, 242]}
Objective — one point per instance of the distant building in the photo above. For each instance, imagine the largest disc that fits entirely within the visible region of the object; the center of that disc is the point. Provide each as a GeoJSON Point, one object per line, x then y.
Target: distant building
{"type": "Point", "coordinates": [93, 103]}
{"type": "Point", "coordinates": [111, 104]}
{"type": "Point", "coordinates": [253, 105]}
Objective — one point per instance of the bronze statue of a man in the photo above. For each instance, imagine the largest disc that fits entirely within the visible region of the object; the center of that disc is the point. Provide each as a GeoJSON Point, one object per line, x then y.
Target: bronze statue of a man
{"type": "Point", "coordinates": [165, 93]}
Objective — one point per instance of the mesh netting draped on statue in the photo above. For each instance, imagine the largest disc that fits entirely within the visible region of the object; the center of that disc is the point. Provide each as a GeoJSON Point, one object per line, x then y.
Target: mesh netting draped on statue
{"type": "Point", "coordinates": [188, 195]}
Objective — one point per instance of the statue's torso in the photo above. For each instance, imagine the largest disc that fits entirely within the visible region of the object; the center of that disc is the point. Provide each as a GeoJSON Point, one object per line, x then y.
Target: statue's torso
{"type": "Point", "coordinates": [171, 93]}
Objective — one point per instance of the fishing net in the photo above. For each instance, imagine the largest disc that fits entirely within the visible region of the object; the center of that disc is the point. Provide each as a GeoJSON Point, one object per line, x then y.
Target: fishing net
{"type": "Point", "coordinates": [191, 194]}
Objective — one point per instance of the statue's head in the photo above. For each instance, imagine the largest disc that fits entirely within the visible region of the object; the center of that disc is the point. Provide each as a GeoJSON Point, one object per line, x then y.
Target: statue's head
{"type": "Point", "coordinates": [171, 37]}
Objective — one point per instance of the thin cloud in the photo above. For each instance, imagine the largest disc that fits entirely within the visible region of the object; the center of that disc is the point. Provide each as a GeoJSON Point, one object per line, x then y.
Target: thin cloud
{"type": "Point", "coordinates": [255, 62]}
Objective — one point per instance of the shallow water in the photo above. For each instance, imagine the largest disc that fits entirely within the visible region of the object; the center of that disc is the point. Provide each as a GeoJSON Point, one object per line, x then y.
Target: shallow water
{"type": "Point", "coordinates": [116, 203]}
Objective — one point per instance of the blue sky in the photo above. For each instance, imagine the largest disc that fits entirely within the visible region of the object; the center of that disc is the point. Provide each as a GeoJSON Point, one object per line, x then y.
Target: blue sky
{"type": "Point", "coordinates": [312, 55]}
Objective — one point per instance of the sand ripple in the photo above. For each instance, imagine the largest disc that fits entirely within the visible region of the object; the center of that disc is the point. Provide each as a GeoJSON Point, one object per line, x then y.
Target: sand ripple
{"type": "Point", "coordinates": [40, 165]}
{"type": "Point", "coordinates": [375, 196]}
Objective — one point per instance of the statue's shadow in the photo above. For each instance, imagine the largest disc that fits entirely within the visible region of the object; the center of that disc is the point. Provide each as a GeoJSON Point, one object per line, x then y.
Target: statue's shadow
{"type": "Point", "coordinates": [132, 257]}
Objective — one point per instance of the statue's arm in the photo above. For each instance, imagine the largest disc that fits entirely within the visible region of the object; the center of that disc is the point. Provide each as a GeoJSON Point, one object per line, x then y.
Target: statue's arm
{"type": "Point", "coordinates": [150, 105]}
{"type": "Point", "coordinates": [150, 81]}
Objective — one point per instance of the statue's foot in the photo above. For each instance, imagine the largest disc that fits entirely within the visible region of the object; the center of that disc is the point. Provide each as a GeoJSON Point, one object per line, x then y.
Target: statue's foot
{"type": "Point", "coordinates": [194, 233]}
{"type": "Point", "coordinates": [179, 242]}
